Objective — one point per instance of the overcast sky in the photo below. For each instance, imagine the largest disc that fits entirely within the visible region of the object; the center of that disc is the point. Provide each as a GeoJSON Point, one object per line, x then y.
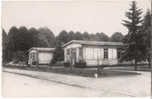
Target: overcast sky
{"type": "Point", "coordinates": [91, 16]}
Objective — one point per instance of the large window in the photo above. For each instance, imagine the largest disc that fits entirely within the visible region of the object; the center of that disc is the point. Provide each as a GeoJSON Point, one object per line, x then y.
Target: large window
{"type": "Point", "coordinates": [105, 53]}
{"type": "Point", "coordinates": [89, 53]}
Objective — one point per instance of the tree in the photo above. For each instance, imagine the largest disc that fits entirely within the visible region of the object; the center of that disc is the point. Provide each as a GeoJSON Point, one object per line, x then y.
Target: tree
{"type": "Point", "coordinates": [86, 36]}
{"type": "Point", "coordinates": [39, 39]}
{"type": "Point", "coordinates": [117, 37]}
{"type": "Point", "coordinates": [78, 36]}
{"type": "Point", "coordinates": [147, 35]}
{"type": "Point", "coordinates": [34, 34]}
{"type": "Point", "coordinates": [58, 54]}
{"type": "Point", "coordinates": [133, 40]}
{"type": "Point", "coordinates": [11, 47]}
{"type": "Point", "coordinates": [63, 37]}
{"type": "Point", "coordinates": [102, 37]}
{"type": "Point", "coordinates": [4, 46]}
{"type": "Point", "coordinates": [47, 36]}
{"type": "Point", "coordinates": [71, 36]}
{"type": "Point", "coordinates": [23, 39]}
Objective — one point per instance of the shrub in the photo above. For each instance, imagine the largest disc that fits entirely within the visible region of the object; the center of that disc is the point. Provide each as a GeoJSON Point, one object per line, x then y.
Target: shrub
{"type": "Point", "coordinates": [80, 64]}
{"type": "Point", "coordinates": [34, 62]}
{"type": "Point", "coordinates": [67, 64]}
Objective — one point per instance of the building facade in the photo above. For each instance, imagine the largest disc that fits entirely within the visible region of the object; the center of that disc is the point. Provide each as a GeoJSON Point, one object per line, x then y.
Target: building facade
{"type": "Point", "coordinates": [40, 55]}
{"type": "Point", "coordinates": [93, 53]}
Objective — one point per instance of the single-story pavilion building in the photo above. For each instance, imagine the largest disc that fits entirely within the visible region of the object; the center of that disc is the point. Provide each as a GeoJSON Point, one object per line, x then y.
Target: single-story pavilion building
{"type": "Point", "coordinates": [93, 53]}
{"type": "Point", "coordinates": [41, 56]}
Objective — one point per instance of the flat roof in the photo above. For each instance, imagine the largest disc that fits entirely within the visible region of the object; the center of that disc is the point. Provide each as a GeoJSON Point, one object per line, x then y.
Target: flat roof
{"type": "Point", "coordinates": [94, 43]}
{"type": "Point", "coordinates": [42, 49]}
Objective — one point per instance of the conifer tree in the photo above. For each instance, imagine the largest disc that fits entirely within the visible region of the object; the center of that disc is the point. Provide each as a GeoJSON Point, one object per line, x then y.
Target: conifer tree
{"type": "Point", "coordinates": [133, 39]}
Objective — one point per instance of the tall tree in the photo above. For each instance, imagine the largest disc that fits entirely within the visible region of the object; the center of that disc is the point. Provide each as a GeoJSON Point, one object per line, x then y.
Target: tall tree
{"type": "Point", "coordinates": [117, 37]}
{"type": "Point", "coordinates": [63, 37]}
{"type": "Point", "coordinates": [147, 35]}
{"type": "Point", "coordinates": [34, 34]}
{"type": "Point", "coordinates": [37, 41]}
{"type": "Point", "coordinates": [23, 41]}
{"type": "Point", "coordinates": [4, 46]}
{"type": "Point", "coordinates": [13, 32]}
{"type": "Point", "coordinates": [47, 36]}
{"type": "Point", "coordinates": [133, 24]}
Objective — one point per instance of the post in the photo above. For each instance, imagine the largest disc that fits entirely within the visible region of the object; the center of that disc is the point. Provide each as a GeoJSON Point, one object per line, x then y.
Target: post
{"type": "Point", "coordinates": [37, 59]}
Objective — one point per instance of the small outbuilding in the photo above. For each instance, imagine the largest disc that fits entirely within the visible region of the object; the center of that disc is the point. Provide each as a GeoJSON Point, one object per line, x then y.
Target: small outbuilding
{"type": "Point", "coordinates": [41, 56]}
{"type": "Point", "coordinates": [93, 53]}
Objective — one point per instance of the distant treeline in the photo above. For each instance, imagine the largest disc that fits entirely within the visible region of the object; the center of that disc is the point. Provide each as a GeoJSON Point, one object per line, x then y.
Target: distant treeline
{"type": "Point", "coordinates": [20, 40]}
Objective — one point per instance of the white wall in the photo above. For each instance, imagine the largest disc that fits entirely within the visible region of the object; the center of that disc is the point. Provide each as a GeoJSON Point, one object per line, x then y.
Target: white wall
{"type": "Point", "coordinates": [45, 57]}
{"type": "Point", "coordinates": [95, 56]}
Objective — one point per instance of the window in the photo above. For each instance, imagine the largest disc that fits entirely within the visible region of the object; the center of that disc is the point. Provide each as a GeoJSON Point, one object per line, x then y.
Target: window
{"type": "Point", "coordinates": [89, 53]}
{"type": "Point", "coordinates": [97, 53]}
{"type": "Point", "coordinates": [106, 53]}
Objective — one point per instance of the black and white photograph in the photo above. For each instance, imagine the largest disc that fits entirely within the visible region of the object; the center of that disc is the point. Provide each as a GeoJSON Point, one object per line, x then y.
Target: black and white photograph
{"type": "Point", "coordinates": [76, 48]}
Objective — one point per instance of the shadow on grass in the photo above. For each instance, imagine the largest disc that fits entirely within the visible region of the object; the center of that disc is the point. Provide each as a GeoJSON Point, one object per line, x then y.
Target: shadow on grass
{"type": "Point", "coordinates": [83, 72]}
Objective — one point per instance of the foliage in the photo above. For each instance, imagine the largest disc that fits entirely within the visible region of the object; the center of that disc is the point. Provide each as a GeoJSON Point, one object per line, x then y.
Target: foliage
{"type": "Point", "coordinates": [101, 37]}
{"type": "Point", "coordinates": [67, 64]}
{"type": "Point", "coordinates": [117, 37]}
{"type": "Point", "coordinates": [80, 64]}
{"type": "Point", "coordinates": [134, 50]}
{"type": "Point", "coordinates": [22, 39]}
{"type": "Point", "coordinates": [58, 53]}
{"type": "Point", "coordinates": [11, 46]}
{"type": "Point", "coordinates": [4, 46]}
{"type": "Point", "coordinates": [19, 56]}
{"type": "Point", "coordinates": [78, 36]}
{"type": "Point", "coordinates": [63, 37]}
{"type": "Point", "coordinates": [146, 26]}
{"type": "Point", "coordinates": [86, 36]}
{"type": "Point", "coordinates": [47, 36]}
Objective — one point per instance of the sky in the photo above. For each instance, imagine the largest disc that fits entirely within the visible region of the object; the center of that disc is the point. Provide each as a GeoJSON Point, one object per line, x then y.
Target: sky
{"type": "Point", "coordinates": [84, 16]}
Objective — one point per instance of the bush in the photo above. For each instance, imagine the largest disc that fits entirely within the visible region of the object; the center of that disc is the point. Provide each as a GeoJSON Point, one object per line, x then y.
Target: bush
{"type": "Point", "coordinates": [34, 62]}
{"type": "Point", "coordinates": [20, 56]}
{"type": "Point", "coordinates": [80, 64]}
{"type": "Point", "coordinates": [67, 64]}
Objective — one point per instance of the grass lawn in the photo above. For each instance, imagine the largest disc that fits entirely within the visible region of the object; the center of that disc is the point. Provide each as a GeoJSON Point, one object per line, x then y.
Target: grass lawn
{"type": "Point", "coordinates": [85, 72]}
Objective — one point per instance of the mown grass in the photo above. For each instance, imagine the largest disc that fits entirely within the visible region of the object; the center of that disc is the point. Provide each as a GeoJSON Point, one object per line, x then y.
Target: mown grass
{"type": "Point", "coordinates": [84, 72]}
